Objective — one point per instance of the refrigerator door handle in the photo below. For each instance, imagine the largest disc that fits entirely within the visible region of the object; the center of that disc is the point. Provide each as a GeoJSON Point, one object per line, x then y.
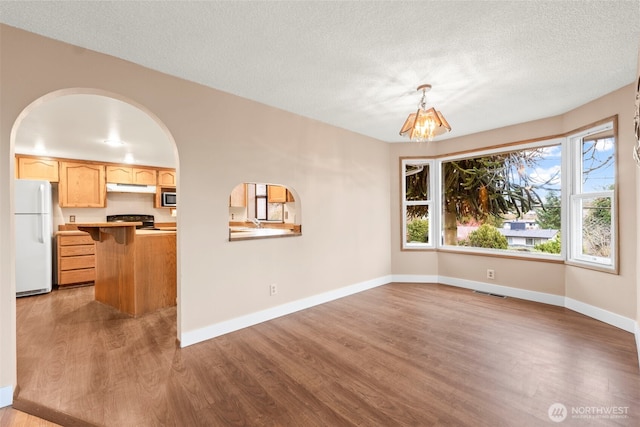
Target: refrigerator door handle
{"type": "Point", "coordinates": [42, 216]}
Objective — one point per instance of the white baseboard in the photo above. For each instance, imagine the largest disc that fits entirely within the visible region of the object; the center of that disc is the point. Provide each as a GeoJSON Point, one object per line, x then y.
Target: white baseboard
{"type": "Point", "coordinates": [414, 278]}
{"type": "Point", "coordinates": [638, 341]}
{"type": "Point", "coordinates": [212, 331]}
{"type": "Point", "coordinates": [597, 313]}
{"type": "Point", "coordinates": [600, 314]}
{"type": "Point", "coordinates": [524, 294]}
{"type": "Point", "coordinates": [6, 396]}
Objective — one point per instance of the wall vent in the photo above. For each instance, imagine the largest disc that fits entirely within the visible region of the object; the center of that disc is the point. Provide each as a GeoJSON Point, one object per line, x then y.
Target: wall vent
{"type": "Point", "coordinates": [490, 294]}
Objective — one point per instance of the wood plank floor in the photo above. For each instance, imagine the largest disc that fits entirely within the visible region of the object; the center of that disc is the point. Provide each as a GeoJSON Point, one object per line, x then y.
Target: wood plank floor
{"type": "Point", "coordinates": [397, 355]}
{"type": "Point", "coordinates": [10, 417]}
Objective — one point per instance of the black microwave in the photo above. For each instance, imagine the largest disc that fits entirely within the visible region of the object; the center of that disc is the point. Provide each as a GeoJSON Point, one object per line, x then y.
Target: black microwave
{"type": "Point", "coordinates": [169, 199]}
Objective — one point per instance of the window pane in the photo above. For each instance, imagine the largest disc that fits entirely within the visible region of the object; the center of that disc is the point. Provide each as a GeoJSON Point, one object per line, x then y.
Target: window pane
{"type": "Point", "coordinates": [261, 189]}
{"type": "Point", "coordinates": [275, 212]}
{"type": "Point", "coordinates": [598, 165]}
{"type": "Point", "coordinates": [507, 201]}
{"type": "Point", "coordinates": [417, 182]}
{"type": "Point", "coordinates": [261, 208]}
{"type": "Point", "coordinates": [417, 224]}
{"type": "Point", "coordinates": [596, 227]}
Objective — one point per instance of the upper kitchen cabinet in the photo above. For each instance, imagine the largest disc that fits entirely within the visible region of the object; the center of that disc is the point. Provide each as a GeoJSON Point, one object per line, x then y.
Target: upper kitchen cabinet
{"type": "Point", "coordinates": [82, 185]}
{"type": "Point", "coordinates": [37, 168]}
{"type": "Point", "coordinates": [276, 194]}
{"type": "Point", "coordinates": [167, 178]}
{"type": "Point", "coordinates": [238, 197]}
{"type": "Point", "coordinates": [279, 194]}
{"type": "Point", "coordinates": [128, 175]}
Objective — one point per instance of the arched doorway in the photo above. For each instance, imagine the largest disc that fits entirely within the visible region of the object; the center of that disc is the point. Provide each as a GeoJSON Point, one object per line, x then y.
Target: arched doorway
{"type": "Point", "coordinates": [76, 124]}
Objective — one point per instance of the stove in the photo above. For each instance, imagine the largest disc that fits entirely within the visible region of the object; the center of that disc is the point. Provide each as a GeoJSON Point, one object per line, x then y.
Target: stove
{"type": "Point", "coordinates": [146, 220]}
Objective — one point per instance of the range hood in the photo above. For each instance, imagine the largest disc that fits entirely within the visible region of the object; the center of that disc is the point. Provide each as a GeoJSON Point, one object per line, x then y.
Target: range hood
{"type": "Point", "coordinates": [130, 188]}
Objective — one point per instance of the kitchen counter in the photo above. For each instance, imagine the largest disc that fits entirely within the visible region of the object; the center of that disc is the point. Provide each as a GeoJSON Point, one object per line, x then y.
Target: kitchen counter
{"type": "Point", "coordinates": [69, 233]}
{"type": "Point", "coordinates": [135, 269]}
{"type": "Point", "coordinates": [118, 230]}
{"type": "Point", "coordinates": [240, 232]}
{"type": "Point", "coordinates": [147, 232]}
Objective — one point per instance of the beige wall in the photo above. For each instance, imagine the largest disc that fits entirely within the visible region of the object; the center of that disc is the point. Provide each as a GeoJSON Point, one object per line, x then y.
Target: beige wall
{"type": "Point", "coordinates": [340, 179]}
{"type": "Point", "coordinates": [614, 293]}
{"type": "Point", "coordinates": [348, 187]}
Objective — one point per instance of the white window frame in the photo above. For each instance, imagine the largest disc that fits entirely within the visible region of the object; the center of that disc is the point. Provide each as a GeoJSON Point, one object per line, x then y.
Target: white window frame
{"type": "Point", "coordinates": [575, 200]}
{"type": "Point", "coordinates": [433, 192]}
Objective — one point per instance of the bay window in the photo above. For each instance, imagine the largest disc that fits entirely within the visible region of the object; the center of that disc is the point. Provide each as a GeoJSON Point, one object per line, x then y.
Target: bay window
{"type": "Point", "coordinates": [548, 199]}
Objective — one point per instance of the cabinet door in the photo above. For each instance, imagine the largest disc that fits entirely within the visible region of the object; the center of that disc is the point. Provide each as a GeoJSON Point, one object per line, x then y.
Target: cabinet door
{"type": "Point", "coordinates": [290, 197]}
{"type": "Point", "coordinates": [144, 176]}
{"type": "Point", "coordinates": [167, 178]}
{"type": "Point", "coordinates": [120, 174]}
{"type": "Point", "coordinates": [276, 194]}
{"type": "Point", "coordinates": [238, 198]}
{"type": "Point", "coordinates": [82, 185]}
{"type": "Point", "coordinates": [33, 168]}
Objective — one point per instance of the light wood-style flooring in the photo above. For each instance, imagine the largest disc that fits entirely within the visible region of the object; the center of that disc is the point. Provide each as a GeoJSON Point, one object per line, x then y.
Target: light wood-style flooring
{"type": "Point", "coordinates": [397, 355]}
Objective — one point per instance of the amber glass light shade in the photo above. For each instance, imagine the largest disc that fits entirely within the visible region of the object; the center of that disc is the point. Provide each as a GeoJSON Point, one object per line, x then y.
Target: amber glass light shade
{"type": "Point", "coordinates": [423, 125]}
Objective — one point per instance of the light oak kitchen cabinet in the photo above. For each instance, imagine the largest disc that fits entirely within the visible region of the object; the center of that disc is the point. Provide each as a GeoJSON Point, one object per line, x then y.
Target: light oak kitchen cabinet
{"type": "Point", "coordinates": [279, 194]}
{"type": "Point", "coordinates": [128, 175]}
{"type": "Point", "coordinates": [166, 178]}
{"type": "Point", "coordinates": [82, 185]}
{"type": "Point", "coordinates": [75, 258]}
{"type": "Point", "coordinates": [37, 168]}
{"type": "Point", "coordinates": [276, 194]}
{"type": "Point", "coordinates": [238, 198]}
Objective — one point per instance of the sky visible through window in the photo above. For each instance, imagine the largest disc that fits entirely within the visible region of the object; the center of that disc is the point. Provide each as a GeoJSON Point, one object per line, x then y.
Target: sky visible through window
{"type": "Point", "coordinates": [598, 165]}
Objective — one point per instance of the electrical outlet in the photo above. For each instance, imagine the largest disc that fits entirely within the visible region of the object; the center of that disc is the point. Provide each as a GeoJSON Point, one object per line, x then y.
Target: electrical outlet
{"type": "Point", "coordinates": [491, 274]}
{"type": "Point", "coordinates": [273, 289]}
{"type": "Point", "coordinates": [72, 218]}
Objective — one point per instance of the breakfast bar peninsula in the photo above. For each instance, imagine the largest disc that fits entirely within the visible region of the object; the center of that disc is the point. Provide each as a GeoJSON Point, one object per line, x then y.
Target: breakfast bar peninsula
{"type": "Point", "coordinates": [135, 269]}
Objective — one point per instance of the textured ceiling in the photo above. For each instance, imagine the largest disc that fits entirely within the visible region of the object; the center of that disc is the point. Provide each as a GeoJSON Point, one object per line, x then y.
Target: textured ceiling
{"type": "Point", "coordinates": [356, 65]}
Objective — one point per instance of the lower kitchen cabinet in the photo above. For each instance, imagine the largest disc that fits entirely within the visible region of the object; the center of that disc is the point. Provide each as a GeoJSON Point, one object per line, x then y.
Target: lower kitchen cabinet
{"type": "Point", "coordinates": [75, 258]}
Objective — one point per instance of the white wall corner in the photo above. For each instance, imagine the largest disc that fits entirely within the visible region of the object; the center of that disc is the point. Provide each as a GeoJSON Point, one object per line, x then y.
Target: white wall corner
{"type": "Point", "coordinates": [415, 278]}
{"type": "Point", "coordinates": [217, 329]}
{"type": "Point", "coordinates": [6, 396]}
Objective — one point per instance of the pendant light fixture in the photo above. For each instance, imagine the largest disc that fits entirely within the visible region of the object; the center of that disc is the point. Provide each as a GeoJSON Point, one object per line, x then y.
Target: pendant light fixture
{"type": "Point", "coordinates": [425, 123]}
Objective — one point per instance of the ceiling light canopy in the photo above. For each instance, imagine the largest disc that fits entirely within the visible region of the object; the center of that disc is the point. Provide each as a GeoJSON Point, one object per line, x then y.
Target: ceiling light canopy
{"type": "Point", "coordinates": [425, 123]}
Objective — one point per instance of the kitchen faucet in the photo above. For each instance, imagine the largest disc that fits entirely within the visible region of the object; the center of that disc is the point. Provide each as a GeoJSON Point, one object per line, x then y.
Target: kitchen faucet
{"type": "Point", "coordinates": [257, 222]}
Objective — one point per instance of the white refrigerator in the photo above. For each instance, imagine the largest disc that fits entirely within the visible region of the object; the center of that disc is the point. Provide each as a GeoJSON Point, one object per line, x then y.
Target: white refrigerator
{"type": "Point", "coordinates": [33, 220]}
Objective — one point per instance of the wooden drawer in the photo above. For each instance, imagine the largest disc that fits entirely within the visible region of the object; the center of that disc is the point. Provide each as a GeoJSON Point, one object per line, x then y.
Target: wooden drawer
{"type": "Point", "coordinates": [75, 240]}
{"type": "Point", "coordinates": [77, 250]}
{"type": "Point", "coordinates": [77, 276]}
{"type": "Point", "coordinates": [77, 262]}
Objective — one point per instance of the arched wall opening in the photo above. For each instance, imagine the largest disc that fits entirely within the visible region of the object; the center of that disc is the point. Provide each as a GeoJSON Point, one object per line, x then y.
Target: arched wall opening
{"type": "Point", "coordinates": [170, 147]}
{"type": "Point", "coordinates": [264, 210]}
